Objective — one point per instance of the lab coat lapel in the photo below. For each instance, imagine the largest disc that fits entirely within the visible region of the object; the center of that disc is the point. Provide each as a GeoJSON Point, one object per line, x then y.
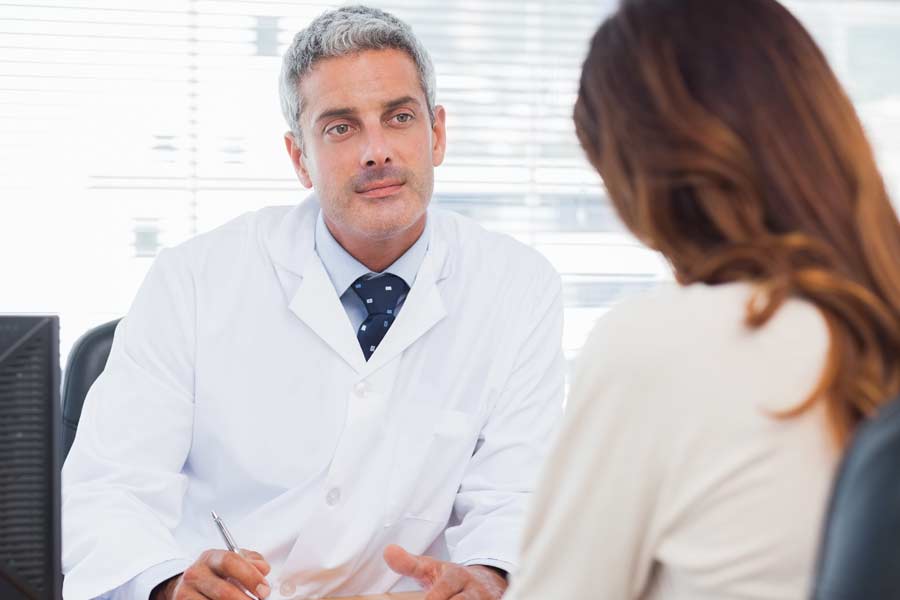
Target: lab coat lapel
{"type": "Point", "coordinates": [312, 297]}
{"type": "Point", "coordinates": [422, 310]}
{"type": "Point", "coordinates": [308, 290]}
{"type": "Point", "coordinates": [317, 304]}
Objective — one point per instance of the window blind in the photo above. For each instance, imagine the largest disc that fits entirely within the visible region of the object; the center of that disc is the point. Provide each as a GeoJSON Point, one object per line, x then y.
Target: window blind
{"type": "Point", "coordinates": [127, 127]}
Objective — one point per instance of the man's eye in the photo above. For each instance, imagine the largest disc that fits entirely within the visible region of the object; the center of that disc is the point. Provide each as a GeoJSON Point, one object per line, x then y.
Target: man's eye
{"type": "Point", "coordinates": [339, 129]}
{"type": "Point", "coordinates": [403, 118]}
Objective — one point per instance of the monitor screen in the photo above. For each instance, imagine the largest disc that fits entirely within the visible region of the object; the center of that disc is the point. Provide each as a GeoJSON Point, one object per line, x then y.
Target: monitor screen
{"type": "Point", "coordinates": [29, 458]}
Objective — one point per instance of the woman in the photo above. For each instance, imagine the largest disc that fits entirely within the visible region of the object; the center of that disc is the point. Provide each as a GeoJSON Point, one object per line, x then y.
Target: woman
{"type": "Point", "coordinates": [705, 420]}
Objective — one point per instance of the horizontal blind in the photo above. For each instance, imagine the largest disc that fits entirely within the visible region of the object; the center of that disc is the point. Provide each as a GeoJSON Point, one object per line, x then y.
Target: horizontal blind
{"type": "Point", "coordinates": [862, 42]}
{"type": "Point", "coordinates": [126, 127]}
{"type": "Point", "coordinates": [94, 102]}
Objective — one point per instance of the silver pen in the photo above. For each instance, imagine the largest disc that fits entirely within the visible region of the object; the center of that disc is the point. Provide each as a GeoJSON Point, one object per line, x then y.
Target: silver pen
{"type": "Point", "coordinates": [229, 541]}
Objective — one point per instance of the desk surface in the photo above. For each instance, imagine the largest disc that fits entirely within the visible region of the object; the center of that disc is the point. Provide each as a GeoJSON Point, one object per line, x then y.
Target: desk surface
{"type": "Point", "coordinates": [403, 596]}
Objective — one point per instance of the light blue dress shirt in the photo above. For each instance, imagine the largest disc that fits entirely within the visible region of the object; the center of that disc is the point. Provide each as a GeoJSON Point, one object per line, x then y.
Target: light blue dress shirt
{"type": "Point", "coordinates": [343, 269]}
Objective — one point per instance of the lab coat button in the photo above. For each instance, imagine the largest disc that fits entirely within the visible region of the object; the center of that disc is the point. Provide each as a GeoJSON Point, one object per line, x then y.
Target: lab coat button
{"type": "Point", "coordinates": [361, 389]}
{"type": "Point", "coordinates": [333, 497]}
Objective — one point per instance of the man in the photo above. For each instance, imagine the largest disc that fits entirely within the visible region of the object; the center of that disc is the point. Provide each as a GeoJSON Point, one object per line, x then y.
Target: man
{"type": "Point", "coordinates": [361, 387]}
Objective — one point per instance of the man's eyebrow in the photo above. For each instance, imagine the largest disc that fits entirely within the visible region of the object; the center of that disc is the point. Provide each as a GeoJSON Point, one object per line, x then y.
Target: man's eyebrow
{"type": "Point", "coordinates": [400, 102]}
{"type": "Point", "coordinates": [336, 112]}
{"type": "Point", "coordinates": [333, 113]}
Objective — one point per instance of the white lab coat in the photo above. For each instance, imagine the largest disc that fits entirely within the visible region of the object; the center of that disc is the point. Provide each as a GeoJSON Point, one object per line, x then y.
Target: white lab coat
{"type": "Point", "coordinates": [236, 384]}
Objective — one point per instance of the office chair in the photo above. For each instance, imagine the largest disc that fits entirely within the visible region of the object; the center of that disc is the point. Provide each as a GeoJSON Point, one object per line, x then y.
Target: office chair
{"type": "Point", "coordinates": [859, 557]}
{"type": "Point", "coordinates": [87, 359]}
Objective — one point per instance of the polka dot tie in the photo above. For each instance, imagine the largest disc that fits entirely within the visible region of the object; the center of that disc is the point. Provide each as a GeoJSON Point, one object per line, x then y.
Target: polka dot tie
{"type": "Point", "coordinates": [380, 296]}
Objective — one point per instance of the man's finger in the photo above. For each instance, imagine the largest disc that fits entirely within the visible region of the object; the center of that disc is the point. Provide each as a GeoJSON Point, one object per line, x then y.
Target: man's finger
{"type": "Point", "coordinates": [189, 594]}
{"type": "Point", "coordinates": [261, 565]}
{"type": "Point", "coordinates": [232, 565]}
{"type": "Point", "coordinates": [418, 567]}
{"type": "Point", "coordinates": [451, 583]}
{"type": "Point", "coordinates": [220, 589]}
{"type": "Point", "coordinates": [251, 554]}
{"type": "Point", "coordinates": [257, 560]}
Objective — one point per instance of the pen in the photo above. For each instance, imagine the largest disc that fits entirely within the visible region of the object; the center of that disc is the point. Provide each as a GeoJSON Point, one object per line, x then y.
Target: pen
{"type": "Point", "coordinates": [229, 541]}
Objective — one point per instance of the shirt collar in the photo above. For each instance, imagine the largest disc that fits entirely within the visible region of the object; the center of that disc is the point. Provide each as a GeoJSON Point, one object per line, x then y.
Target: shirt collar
{"type": "Point", "coordinates": [343, 269]}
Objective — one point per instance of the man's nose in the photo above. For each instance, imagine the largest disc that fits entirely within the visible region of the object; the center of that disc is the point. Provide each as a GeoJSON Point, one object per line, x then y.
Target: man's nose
{"type": "Point", "coordinates": [377, 151]}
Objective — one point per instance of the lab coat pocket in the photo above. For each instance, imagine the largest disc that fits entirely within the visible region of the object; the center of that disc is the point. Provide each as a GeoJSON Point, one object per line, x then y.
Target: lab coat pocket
{"type": "Point", "coordinates": [430, 464]}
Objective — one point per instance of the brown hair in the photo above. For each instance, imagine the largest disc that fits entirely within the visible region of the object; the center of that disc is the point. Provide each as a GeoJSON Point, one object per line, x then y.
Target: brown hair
{"type": "Point", "coordinates": [727, 144]}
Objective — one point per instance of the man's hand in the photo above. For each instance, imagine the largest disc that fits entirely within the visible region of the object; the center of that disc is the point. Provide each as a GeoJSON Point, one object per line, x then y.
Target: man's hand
{"type": "Point", "coordinates": [446, 580]}
{"type": "Point", "coordinates": [218, 575]}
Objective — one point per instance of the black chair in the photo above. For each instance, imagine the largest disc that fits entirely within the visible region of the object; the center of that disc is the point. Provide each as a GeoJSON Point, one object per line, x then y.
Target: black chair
{"type": "Point", "coordinates": [860, 553]}
{"type": "Point", "coordinates": [87, 359]}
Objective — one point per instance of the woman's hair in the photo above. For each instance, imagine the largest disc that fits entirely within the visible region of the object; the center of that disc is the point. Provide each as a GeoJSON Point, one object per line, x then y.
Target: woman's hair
{"type": "Point", "coordinates": [727, 144]}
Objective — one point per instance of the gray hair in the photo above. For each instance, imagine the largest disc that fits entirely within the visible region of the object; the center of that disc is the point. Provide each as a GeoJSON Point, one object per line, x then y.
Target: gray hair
{"type": "Point", "coordinates": [342, 32]}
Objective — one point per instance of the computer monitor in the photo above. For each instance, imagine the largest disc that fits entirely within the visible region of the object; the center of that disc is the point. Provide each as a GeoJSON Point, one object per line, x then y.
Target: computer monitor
{"type": "Point", "coordinates": [29, 458]}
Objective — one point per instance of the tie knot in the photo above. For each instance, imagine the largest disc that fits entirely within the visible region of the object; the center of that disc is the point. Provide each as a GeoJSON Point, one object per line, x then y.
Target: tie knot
{"type": "Point", "coordinates": [381, 293]}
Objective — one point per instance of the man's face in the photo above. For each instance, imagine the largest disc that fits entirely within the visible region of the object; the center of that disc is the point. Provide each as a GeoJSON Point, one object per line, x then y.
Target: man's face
{"type": "Point", "coordinates": [369, 147]}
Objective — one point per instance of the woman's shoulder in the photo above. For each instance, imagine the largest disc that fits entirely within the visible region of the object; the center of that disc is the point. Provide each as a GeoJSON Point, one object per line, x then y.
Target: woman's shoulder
{"type": "Point", "coordinates": [698, 315]}
{"type": "Point", "coordinates": [692, 335]}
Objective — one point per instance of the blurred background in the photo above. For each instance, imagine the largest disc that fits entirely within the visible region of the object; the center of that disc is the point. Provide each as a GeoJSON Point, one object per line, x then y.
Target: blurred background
{"type": "Point", "coordinates": [126, 127]}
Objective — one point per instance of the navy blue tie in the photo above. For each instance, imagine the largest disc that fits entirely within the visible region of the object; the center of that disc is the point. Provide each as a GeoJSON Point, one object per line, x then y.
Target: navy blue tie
{"type": "Point", "coordinates": [380, 295]}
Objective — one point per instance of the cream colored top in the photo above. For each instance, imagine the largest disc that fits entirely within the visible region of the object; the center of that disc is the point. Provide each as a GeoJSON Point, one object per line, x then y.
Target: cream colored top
{"type": "Point", "coordinates": [669, 480]}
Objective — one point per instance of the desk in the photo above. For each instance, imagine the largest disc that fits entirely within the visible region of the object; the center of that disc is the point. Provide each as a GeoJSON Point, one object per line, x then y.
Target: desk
{"type": "Point", "coordinates": [402, 596]}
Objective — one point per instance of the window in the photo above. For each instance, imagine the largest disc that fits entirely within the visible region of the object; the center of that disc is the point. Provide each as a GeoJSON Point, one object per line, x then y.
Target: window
{"type": "Point", "coordinates": [125, 127]}
{"type": "Point", "coordinates": [146, 237]}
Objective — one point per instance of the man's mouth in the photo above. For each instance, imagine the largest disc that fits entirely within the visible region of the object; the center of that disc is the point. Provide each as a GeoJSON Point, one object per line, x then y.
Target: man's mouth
{"type": "Point", "coordinates": [380, 189]}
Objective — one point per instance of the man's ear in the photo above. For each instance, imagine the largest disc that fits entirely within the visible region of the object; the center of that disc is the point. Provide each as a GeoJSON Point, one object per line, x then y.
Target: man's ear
{"type": "Point", "coordinates": [438, 136]}
{"type": "Point", "coordinates": [295, 151]}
